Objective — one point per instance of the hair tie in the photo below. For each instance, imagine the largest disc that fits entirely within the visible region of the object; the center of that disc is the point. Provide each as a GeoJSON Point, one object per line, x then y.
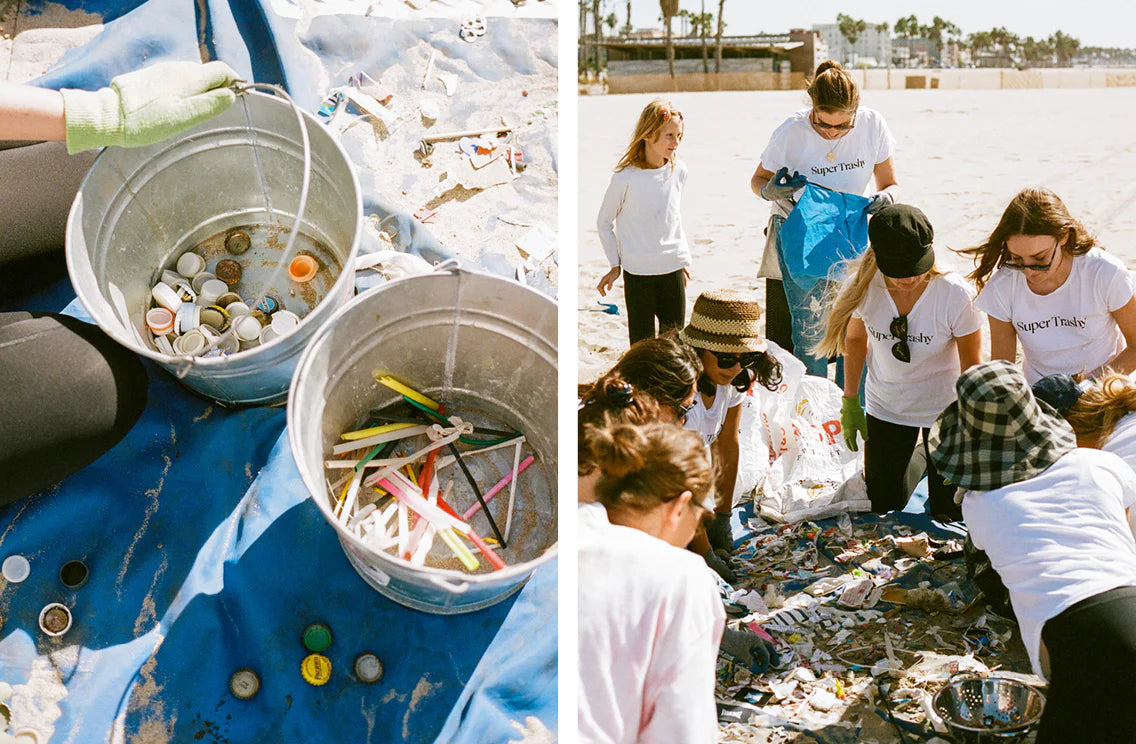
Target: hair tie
{"type": "Point", "coordinates": [620, 395]}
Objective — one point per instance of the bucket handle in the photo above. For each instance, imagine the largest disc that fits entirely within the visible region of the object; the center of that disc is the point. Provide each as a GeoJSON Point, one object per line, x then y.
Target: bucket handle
{"type": "Point", "coordinates": [454, 588]}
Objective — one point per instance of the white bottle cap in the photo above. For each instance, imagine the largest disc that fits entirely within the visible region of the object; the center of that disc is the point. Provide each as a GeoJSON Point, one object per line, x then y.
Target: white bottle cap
{"type": "Point", "coordinates": [165, 296]}
{"type": "Point", "coordinates": [171, 277]}
{"type": "Point", "coordinates": [268, 334]}
{"type": "Point", "coordinates": [200, 279]}
{"type": "Point", "coordinates": [190, 343]}
{"type": "Point", "coordinates": [237, 309]}
{"type": "Point", "coordinates": [211, 290]}
{"type": "Point", "coordinates": [15, 568]}
{"type": "Point", "coordinates": [246, 328]}
{"type": "Point", "coordinates": [160, 321]}
{"type": "Point", "coordinates": [284, 322]}
{"type": "Point", "coordinates": [188, 317]}
{"type": "Point", "coordinates": [190, 264]}
{"type": "Point", "coordinates": [185, 292]}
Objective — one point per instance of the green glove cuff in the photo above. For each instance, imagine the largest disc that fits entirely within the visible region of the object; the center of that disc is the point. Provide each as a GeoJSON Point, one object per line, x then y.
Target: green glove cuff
{"type": "Point", "coordinates": [92, 119]}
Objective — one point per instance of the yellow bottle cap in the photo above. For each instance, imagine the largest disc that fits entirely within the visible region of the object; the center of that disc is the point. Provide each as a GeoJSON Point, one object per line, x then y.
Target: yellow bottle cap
{"type": "Point", "coordinates": [316, 669]}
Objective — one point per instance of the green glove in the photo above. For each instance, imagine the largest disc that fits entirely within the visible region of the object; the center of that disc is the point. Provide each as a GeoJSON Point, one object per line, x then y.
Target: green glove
{"type": "Point", "coordinates": [148, 105]}
{"type": "Point", "coordinates": [852, 420]}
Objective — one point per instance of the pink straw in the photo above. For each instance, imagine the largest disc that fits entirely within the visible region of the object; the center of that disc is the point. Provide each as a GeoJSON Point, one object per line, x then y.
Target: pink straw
{"type": "Point", "coordinates": [497, 488]}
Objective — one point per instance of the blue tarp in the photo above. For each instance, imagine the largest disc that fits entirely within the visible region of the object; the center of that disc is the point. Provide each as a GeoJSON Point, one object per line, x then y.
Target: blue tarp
{"type": "Point", "coordinates": [206, 554]}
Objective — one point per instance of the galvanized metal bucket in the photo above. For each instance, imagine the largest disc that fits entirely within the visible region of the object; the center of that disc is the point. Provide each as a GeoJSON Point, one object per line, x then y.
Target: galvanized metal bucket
{"type": "Point", "coordinates": [140, 208]}
{"type": "Point", "coordinates": [471, 340]}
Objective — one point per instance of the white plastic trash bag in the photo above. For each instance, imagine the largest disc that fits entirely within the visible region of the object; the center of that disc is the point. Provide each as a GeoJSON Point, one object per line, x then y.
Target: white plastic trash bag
{"type": "Point", "coordinates": [792, 453]}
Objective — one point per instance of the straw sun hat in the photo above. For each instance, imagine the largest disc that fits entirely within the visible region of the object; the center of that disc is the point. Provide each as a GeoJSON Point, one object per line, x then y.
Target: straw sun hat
{"type": "Point", "coordinates": [725, 320]}
{"type": "Point", "coordinates": [997, 433]}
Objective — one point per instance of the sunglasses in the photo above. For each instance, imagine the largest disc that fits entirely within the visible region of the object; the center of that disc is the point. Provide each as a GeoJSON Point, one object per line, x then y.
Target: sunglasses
{"type": "Point", "coordinates": [900, 350]}
{"type": "Point", "coordinates": [832, 127]}
{"type": "Point", "coordinates": [727, 360]}
{"type": "Point", "coordinates": [682, 411]}
{"type": "Point", "coordinates": [1009, 263]}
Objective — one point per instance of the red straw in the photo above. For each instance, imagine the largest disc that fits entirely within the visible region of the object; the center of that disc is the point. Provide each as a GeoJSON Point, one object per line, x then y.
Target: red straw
{"type": "Point", "coordinates": [497, 488]}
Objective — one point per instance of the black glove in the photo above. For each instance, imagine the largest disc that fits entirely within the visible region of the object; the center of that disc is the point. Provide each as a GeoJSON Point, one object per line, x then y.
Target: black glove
{"type": "Point", "coordinates": [719, 532]}
{"type": "Point", "coordinates": [750, 649]}
{"type": "Point", "coordinates": [720, 567]}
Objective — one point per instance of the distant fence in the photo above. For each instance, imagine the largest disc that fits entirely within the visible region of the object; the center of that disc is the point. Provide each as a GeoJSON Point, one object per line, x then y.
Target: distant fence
{"type": "Point", "coordinates": [984, 79]}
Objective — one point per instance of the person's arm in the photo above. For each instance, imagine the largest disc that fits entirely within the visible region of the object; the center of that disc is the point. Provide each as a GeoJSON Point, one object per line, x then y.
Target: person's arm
{"type": "Point", "coordinates": [1003, 340]}
{"type": "Point", "coordinates": [760, 178]}
{"type": "Point", "coordinates": [726, 450]}
{"type": "Point", "coordinates": [855, 352]}
{"type": "Point", "coordinates": [1125, 361]}
{"type": "Point", "coordinates": [969, 350]}
{"type": "Point", "coordinates": [31, 113]}
{"type": "Point", "coordinates": [610, 207]}
{"type": "Point", "coordinates": [884, 174]}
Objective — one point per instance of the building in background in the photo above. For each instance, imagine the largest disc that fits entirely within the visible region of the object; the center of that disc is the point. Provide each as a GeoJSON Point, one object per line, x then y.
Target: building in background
{"type": "Point", "coordinates": [873, 48]}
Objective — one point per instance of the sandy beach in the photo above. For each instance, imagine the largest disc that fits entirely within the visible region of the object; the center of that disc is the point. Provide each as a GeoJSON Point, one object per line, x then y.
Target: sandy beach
{"type": "Point", "coordinates": [960, 157]}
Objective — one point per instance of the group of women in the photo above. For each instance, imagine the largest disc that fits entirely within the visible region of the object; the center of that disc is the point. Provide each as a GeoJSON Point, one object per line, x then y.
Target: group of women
{"type": "Point", "coordinates": [1051, 516]}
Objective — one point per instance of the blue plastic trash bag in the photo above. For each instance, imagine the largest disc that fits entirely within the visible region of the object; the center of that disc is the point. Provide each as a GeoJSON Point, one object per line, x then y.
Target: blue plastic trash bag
{"type": "Point", "coordinates": [825, 228]}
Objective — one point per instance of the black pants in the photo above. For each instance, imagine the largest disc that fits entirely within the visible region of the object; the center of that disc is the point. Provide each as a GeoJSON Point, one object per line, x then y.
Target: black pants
{"type": "Point", "coordinates": [69, 393]}
{"type": "Point", "coordinates": [887, 453]}
{"type": "Point", "coordinates": [661, 296]}
{"type": "Point", "coordinates": [1092, 660]}
{"type": "Point", "coordinates": [778, 322]}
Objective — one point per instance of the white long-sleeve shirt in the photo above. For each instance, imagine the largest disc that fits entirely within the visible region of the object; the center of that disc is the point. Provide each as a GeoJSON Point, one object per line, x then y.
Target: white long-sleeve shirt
{"type": "Point", "coordinates": [639, 221]}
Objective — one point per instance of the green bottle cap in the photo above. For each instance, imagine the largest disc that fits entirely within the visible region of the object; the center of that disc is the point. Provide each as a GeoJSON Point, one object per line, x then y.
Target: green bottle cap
{"type": "Point", "coordinates": [317, 637]}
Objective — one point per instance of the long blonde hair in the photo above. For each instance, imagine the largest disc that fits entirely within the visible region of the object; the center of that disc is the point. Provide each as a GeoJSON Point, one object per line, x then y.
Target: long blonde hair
{"type": "Point", "coordinates": [845, 298]}
{"type": "Point", "coordinates": [654, 115]}
{"type": "Point", "coordinates": [1097, 411]}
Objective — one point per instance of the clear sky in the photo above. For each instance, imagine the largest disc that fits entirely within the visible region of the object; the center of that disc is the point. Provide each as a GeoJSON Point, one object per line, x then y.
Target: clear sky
{"type": "Point", "coordinates": [1108, 23]}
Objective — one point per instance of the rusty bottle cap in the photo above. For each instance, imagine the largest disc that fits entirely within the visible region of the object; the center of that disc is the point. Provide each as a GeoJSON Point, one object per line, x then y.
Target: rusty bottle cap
{"type": "Point", "coordinates": [237, 242]}
{"type": "Point", "coordinates": [244, 684]}
{"type": "Point", "coordinates": [55, 619]}
{"type": "Point", "coordinates": [228, 271]}
{"type": "Point", "coordinates": [228, 298]}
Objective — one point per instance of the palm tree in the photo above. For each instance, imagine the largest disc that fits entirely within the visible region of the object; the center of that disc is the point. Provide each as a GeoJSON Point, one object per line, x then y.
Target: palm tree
{"type": "Point", "coordinates": [718, 38]}
{"type": "Point", "coordinates": [1065, 47]}
{"type": "Point", "coordinates": [702, 24]}
{"type": "Point", "coordinates": [597, 24]}
{"type": "Point", "coordinates": [670, 10]}
{"type": "Point", "coordinates": [850, 28]}
{"type": "Point", "coordinates": [627, 28]}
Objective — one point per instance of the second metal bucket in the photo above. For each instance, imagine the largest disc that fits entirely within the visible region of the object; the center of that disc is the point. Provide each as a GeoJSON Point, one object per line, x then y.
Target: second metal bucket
{"type": "Point", "coordinates": [471, 340]}
{"type": "Point", "coordinates": [139, 208]}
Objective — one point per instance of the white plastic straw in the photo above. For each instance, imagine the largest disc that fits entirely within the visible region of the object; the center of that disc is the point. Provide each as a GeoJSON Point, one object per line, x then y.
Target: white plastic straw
{"type": "Point", "coordinates": [374, 478]}
{"type": "Point", "coordinates": [446, 460]}
{"type": "Point", "coordinates": [512, 494]}
{"type": "Point", "coordinates": [390, 436]}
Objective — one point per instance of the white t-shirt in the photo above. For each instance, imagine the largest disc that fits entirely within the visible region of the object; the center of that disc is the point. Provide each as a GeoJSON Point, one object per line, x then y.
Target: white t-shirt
{"type": "Point", "coordinates": [1058, 537]}
{"type": "Point", "coordinates": [1122, 442]}
{"type": "Point", "coordinates": [915, 393]}
{"type": "Point", "coordinates": [1071, 329]}
{"type": "Point", "coordinates": [708, 421]}
{"type": "Point", "coordinates": [650, 621]}
{"type": "Point", "coordinates": [639, 221]}
{"type": "Point", "coordinates": [797, 146]}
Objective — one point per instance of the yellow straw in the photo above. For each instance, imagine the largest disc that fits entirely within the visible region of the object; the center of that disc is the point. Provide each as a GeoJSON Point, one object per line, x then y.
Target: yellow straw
{"type": "Point", "coordinates": [364, 433]}
{"type": "Point", "coordinates": [410, 472]}
{"type": "Point", "coordinates": [468, 559]}
{"type": "Point", "coordinates": [398, 387]}
{"type": "Point", "coordinates": [342, 496]}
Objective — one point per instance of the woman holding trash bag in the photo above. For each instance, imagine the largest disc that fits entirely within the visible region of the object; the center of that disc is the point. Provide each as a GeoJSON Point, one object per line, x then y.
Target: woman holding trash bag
{"type": "Point", "coordinates": [916, 328]}
{"type": "Point", "coordinates": [650, 616]}
{"type": "Point", "coordinates": [640, 224]}
{"type": "Point", "coordinates": [70, 391]}
{"type": "Point", "coordinates": [1051, 518]}
{"type": "Point", "coordinates": [1044, 282]}
{"type": "Point", "coordinates": [835, 143]}
{"type": "Point", "coordinates": [724, 331]}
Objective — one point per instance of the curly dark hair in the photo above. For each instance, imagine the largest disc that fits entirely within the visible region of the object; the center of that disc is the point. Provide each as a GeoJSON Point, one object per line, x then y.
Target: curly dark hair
{"type": "Point", "coordinates": [663, 367]}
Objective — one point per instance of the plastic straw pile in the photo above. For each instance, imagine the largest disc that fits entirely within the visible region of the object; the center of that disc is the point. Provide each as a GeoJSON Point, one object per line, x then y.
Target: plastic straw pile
{"type": "Point", "coordinates": [397, 503]}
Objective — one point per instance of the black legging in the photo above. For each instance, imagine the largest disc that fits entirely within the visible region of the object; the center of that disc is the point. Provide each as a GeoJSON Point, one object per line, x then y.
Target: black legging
{"type": "Point", "coordinates": [1092, 661]}
{"type": "Point", "coordinates": [887, 452]}
{"type": "Point", "coordinates": [649, 297]}
{"type": "Point", "coordinates": [69, 393]}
